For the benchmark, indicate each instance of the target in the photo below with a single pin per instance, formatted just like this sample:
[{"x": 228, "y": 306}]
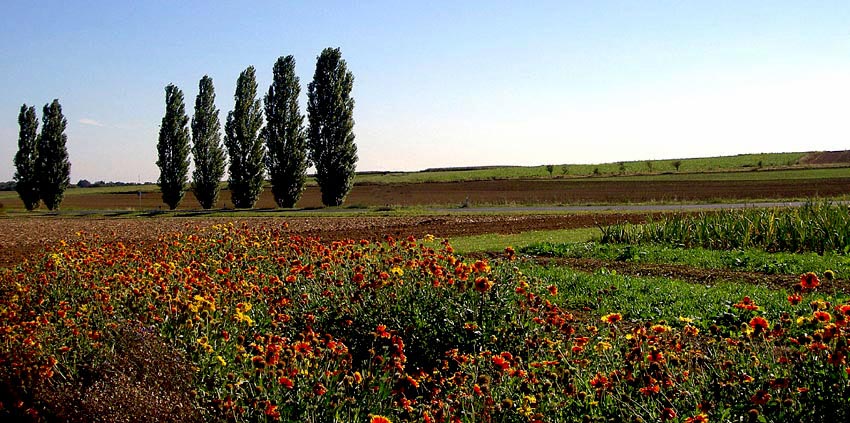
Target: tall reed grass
[{"x": 814, "y": 227}]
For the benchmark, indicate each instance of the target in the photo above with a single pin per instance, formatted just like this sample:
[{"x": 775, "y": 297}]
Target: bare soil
[
  {"x": 506, "y": 192},
  {"x": 22, "y": 237}
]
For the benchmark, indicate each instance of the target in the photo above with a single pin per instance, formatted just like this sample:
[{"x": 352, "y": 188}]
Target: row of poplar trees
[
  {"x": 42, "y": 168},
  {"x": 283, "y": 147}
]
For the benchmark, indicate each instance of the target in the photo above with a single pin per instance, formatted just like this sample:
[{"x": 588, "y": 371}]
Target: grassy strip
[
  {"x": 750, "y": 260},
  {"x": 656, "y": 299},
  {"x": 497, "y": 242}
]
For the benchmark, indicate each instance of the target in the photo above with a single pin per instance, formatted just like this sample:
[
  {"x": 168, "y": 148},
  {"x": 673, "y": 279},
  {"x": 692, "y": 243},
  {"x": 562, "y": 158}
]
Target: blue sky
[{"x": 447, "y": 83}]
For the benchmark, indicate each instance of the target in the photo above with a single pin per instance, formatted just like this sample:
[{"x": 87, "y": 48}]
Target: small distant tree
[
  {"x": 622, "y": 167},
  {"x": 676, "y": 164},
  {"x": 83, "y": 183},
  {"x": 565, "y": 169},
  {"x": 26, "y": 176},
  {"x": 206, "y": 146},
  {"x": 550, "y": 169},
  {"x": 173, "y": 148},
  {"x": 330, "y": 110},
  {"x": 52, "y": 165},
  {"x": 244, "y": 145},
  {"x": 649, "y": 165},
  {"x": 286, "y": 142}
]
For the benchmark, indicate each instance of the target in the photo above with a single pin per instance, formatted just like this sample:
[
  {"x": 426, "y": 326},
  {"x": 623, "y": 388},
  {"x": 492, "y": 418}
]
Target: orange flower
[
  {"x": 271, "y": 411},
  {"x": 759, "y": 324},
  {"x": 380, "y": 419},
  {"x": 668, "y": 414},
  {"x": 650, "y": 390},
  {"x": 599, "y": 381},
  {"x": 795, "y": 299},
  {"x": 699, "y": 418},
  {"x": 612, "y": 318},
  {"x": 655, "y": 356},
  {"x": 747, "y": 304},
  {"x": 822, "y": 316},
  {"x": 809, "y": 281},
  {"x": 483, "y": 284},
  {"x": 500, "y": 363}
]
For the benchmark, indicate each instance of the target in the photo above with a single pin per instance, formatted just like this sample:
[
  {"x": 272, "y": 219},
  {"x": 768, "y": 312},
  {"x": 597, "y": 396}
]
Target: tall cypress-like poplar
[
  {"x": 173, "y": 148},
  {"x": 26, "y": 177},
  {"x": 330, "y": 110},
  {"x": 244, "y": 145},
  {"x": 53, "y": 168},
  {"x": 286, "y": 143},
  {"x": 206, "y": 146}
]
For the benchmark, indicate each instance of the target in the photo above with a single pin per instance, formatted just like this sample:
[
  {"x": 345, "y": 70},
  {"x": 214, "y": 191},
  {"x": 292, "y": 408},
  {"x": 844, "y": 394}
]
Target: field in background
[{"x": 504, "y": 187}]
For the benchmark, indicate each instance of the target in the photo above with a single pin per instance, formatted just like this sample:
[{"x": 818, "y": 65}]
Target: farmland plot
[{"x": 255, "y": 323}]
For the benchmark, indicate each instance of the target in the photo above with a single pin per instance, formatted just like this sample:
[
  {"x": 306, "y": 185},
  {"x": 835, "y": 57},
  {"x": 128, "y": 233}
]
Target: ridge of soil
[{"x": 23, "y": 237}]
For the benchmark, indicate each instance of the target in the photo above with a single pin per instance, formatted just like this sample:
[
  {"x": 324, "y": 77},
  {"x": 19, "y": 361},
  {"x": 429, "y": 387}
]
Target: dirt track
[{"x": 22, "y": 237}]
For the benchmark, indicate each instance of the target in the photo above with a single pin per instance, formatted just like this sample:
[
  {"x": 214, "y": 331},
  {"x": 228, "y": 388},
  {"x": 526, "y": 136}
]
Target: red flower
[
  {"x": 668, "y": 414},
  {"x": 650, "y": 390},
  {"x": 655, "y": 356},
  {"x": 612, "y": 318},
  {"x": 500, "y": 363},
  {"x": 483, "y": 284},
  {"x": 286, "y": 382},
  {"x": 761, "y": 397},
  {"x": 271, "y": 411},
  {"x": 599, "y": 381},
  {"x": 795, "y": 299},
  {"x": 759, "y": 324},
  {"x": 699, "y": 418},
  {"x": 809, "y": 281},
  {"x": 380, "y": 419},
  {"x": 823, "y": 316},
  {"x": 747, "y": 304}
]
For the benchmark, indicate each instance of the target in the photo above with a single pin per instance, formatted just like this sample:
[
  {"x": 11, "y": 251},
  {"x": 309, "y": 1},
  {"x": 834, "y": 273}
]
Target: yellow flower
[
  {"x": 602, "y": 346},
  {"x": 685, "y": 319},
  {"x": 221, "y": 360},
  {"x": 397, "y": 271}
]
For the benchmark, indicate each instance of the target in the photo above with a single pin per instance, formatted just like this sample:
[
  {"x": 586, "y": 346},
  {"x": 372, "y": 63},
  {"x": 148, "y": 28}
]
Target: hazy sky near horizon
[{"x": 446, "y": 83}]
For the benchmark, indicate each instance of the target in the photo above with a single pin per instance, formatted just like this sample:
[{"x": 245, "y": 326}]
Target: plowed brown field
[
  {"x": 534, "y": 191},
  {"x": 26, "y": 236}
]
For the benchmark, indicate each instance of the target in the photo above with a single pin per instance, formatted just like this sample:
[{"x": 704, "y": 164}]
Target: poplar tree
[
  {"x": 286, "y": 143},
  {"x": 173, "y": 148},
  {"x": 53, "y": 169},
  {"x": 330, "y": 110},
  {"x": 206, "y": 146},
  {"x": 244, "y": 145},
  {"x": 26, "y": 177}
]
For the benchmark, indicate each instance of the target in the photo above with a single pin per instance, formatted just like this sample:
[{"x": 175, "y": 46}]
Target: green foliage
[
  {"x": 26, "y": 176},
  {"x": 244, "y": 145},
  {"x": 206, "y": 146},
  {"x": 816, "y": 226},
  {"x": 52, "y": 165},
  {"x": 286, "y": 143},
  {"x": 749, "y": 260},
  {"x": 173, "y": 148},
  {"x": 330, "y": 110}
]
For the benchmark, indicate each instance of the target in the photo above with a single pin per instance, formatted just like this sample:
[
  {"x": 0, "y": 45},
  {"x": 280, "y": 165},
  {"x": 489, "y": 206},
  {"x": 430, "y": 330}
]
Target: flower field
[{"x": 238, "y": 323}]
